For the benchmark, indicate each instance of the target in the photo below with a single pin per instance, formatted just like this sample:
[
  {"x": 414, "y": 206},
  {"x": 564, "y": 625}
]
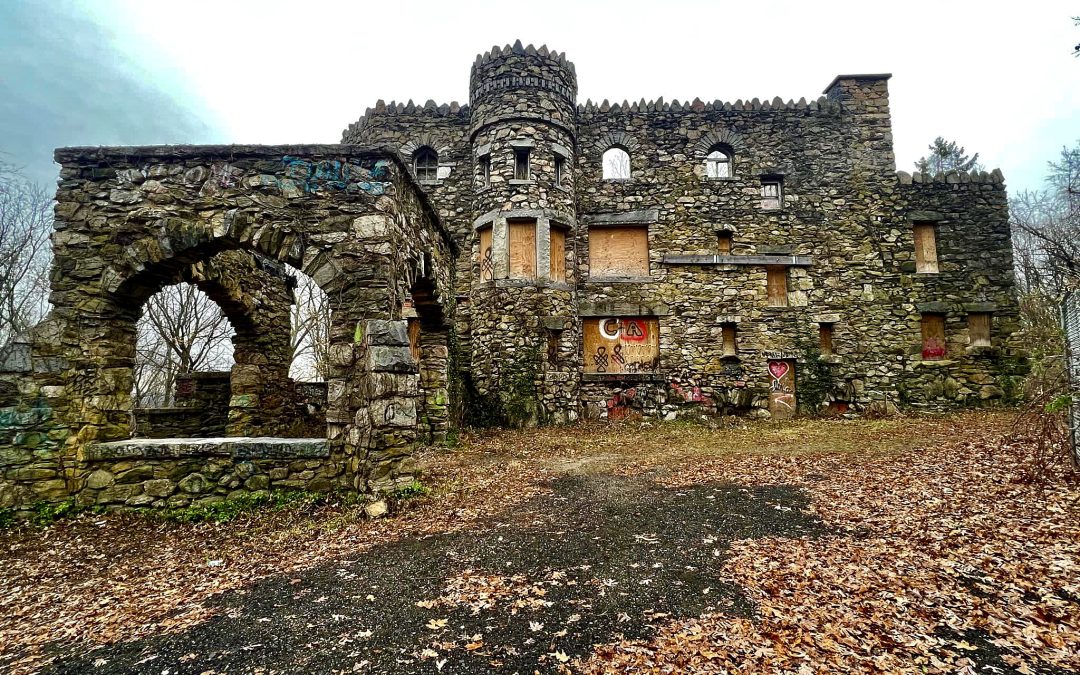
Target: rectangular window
[
  {"x": 926, "y": 259},
  {"x": 621, "y": 345},
  {"x": 559, "y": 167},
  {"x": 485, "y": 257},
  {"x": 618, "y": 252},
  {"x": 723, "y": 243},
  {"x": 485, "y": 171},
  {"x": 553, "y": 347},
  {"x": 772, "y": 193},
  {"x": 825, "y": 337},
  {"x": 522, "y": 249},
  {"x": 979, "y": 329},
  {"x": 933, "y": 337},
  {"x": 777, "y": 283},
  {"x": 521, "y": 163},
  {"x": 729, "y": 335},
  {"x": 557, "y": 272}
]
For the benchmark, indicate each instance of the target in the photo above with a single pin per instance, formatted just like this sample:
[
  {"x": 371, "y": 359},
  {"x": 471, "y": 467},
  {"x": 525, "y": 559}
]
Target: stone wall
[{"x": 844, "y": 234}]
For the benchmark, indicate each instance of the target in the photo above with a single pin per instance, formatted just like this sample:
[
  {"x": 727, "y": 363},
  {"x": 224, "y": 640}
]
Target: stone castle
[{"x": 520, "y": 259}]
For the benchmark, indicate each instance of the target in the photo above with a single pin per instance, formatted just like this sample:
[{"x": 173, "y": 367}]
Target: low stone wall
[{"x": 175, "y": 473}]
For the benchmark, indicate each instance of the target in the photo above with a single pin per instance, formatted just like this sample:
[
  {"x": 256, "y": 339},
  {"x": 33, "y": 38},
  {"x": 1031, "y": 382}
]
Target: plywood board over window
[
  {"x": 621, "y": 345},
  {"x": 618, "y": 252},
  {"x": 933, "y": 337},
  {"x": 777, "y": 282},
  {"x": 522, "y": 249},
  {"x": 926, "y": 258},
  {"x": 979, "y": 329},
  {"x": 486, "y": 256},
  {"x": 558, "y": 254}
]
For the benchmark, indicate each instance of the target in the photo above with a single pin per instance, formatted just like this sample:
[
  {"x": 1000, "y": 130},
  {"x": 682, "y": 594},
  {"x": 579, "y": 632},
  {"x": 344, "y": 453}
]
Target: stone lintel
[
  {"x": 522, "y": 143},
  {"x": 786, "y": 260},
  {"x": 560, "y": 150},
  {"x": 238, "y": 447},
  {"x": 555, "y": 322},
  {"x": 924, "y": 216},
  {"x": 981, "y": 307},
  {"x": 933, "y": 307},
  {"x": 600, "y": 309},
  {"x": 623, "y": 377},
  {"x": 643, "y": 217},
  {"x": 561, "y": 217},
  {"x": 827, "y": 318},
  {"x": 483, "y": 149}
]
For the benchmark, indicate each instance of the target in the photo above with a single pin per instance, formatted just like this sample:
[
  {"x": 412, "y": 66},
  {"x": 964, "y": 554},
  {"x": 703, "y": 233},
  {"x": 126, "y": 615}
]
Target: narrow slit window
[
  {"x": 772, "y": 193},
  {"x": 926, "y": 254},
  {"x": 560, "y": 167},
  {"x": 777, "y": 283},
  {"x": 485, "y": 171},
  {"x": 723, "y": 243},
  {"x": 557, "y": 271},
  {"x": 933, "y": 337},
  {"x": 521, "y": 163},
  {"x": 825, "y": 338},
  {"x": 522, "y": 234},
  {"x": 729, "y": 333},
  {"x": 486, "y": 257},
  {"x": 718, "y": 164},
  {"x": 979, "y": 329}
]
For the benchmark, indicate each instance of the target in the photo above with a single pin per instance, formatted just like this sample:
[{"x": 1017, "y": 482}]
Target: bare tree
[
  {"x": 1048, "y": 227},
  {"x": 181, "y": 331},
  {"x": 310, "y": 330},
  {"x": 25, "y": 225}
]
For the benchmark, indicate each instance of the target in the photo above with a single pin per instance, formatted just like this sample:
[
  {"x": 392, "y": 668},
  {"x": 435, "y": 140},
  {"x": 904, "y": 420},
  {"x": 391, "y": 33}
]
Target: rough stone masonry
[{"x": 521, "y": 259}]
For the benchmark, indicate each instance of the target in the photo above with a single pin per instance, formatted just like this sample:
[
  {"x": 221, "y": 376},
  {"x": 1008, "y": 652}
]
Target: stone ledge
[
  {"x": 617, "y": 309},
  {"x": 786, "y": 260},
  {"x": 643, "y": 217},
  {"x": 238, "y": 447},
  {"x": 623, "y": 377}
]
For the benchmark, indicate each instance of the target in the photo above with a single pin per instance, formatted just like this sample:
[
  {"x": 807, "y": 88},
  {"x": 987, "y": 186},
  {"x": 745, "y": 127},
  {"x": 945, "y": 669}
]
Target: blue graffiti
[{"x": 331, "y": 174}]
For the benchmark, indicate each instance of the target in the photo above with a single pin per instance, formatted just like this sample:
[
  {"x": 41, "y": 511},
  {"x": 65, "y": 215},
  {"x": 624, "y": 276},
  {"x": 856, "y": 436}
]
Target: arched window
[
  {"x": 426, "y": 165},
  {"x": 718, "y": 164},
  {"x": 616, "y": 164}
]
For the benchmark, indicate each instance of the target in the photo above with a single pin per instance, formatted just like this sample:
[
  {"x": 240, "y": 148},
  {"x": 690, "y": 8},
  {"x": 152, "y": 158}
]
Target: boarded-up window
[
  {"x": 618, "y": 252},
  {"x": 558, "y": 254},
  {"x": 730, "y": 337},
  {"x": 979, "y": 329},
  {"x": 777, "y": 281},
  {"x": 522, "y": 249},
  {"x": 933, "y": 337},
  {"x": 723, "y": 243},
  {"x": 486, "y": 256},
  {"x": 621, "y": 345},
  {"x": 926, "y": 260},
  {"x": 521, "y": 163},
  {"x": 825, "y": 337}
]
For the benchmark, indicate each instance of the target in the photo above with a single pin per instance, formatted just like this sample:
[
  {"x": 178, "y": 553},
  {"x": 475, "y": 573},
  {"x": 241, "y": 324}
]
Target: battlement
[
  {"x": 994, "y": 177},
  {"x": 429, "y": 109},
  {"x": 516, "y": 68},
  {"x": 821, "y": 104},
  {"x": 517, "y": 49}
]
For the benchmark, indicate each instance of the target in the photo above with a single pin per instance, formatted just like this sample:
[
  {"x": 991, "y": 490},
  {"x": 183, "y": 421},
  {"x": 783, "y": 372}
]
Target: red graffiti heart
[{"x": 778, "y": 369}]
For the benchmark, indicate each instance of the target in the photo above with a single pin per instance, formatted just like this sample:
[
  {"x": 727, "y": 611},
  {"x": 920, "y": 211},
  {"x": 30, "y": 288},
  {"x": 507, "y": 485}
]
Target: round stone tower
[{"x": 524, "y": 330}]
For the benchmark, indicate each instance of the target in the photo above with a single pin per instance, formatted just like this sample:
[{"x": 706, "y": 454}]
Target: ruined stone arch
[
  {"x": 725, "y": 139},
  {"x": 618, "y": 139}
]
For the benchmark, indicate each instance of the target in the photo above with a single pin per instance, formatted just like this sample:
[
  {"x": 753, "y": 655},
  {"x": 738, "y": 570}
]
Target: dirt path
[{"x": 600, "y": 557}]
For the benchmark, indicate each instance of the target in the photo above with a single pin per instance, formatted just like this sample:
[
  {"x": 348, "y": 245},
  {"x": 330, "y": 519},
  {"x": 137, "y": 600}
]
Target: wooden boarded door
[{"x": 782, "y": 404}]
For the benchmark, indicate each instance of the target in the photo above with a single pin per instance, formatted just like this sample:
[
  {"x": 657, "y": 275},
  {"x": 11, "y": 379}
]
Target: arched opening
[
  {"x": 616, "y": 163},
  {"x": 719, "y": 162},
  {"x": 426, "y": 164},
  {"x": 310, "y": 320},
  {"x": 183, "y": 364}
]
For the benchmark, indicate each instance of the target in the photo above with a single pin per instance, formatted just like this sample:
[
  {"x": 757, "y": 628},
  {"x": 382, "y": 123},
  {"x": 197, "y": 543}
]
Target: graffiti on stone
[{"x": 311, "y": 176}]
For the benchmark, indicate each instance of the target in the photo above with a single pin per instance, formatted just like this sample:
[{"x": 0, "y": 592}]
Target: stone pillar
[{"x": 388, "y": 398}]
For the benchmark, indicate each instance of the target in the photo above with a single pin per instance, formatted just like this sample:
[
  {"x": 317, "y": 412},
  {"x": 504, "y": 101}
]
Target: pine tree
[{"x": 947, "y": 156}]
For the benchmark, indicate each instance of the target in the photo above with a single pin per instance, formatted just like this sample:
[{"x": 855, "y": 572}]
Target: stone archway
[{"x": 350, "y": 218}]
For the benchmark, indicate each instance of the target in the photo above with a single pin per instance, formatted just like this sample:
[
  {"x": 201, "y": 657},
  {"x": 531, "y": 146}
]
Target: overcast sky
[{"x": 999, "y": 79}]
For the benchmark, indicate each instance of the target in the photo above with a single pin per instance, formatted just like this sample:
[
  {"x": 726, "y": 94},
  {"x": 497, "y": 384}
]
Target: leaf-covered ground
[{"x": 899, "y": 545}]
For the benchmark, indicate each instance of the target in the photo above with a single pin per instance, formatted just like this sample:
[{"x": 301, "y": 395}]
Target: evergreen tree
[{"x": 947, "y": 156}]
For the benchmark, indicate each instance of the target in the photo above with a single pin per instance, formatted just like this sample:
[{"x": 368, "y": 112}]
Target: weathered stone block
[
  {"x": 100, "y": 479},
  {"x": 388, "y": 333}
]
